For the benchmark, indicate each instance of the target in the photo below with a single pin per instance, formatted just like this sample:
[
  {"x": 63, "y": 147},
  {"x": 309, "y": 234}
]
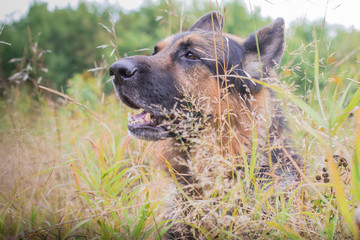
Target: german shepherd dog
[{"x": 225, "y": 74}]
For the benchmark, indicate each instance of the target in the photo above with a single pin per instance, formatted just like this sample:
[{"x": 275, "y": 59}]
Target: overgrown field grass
[
  {"x": 68, "y": 172},
  {"x": 71, "y": 171}
]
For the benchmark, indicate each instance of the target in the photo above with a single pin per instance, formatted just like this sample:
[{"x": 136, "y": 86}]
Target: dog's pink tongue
[
  {"x": 139, "y": 116},
  {"x": 143, "y": 117}
]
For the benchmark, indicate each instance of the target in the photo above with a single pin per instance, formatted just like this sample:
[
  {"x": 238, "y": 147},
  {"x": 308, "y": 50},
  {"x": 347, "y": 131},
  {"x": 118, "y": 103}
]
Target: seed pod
[
  {"x": 318, "y": 178},
  {"x": 326, "y": 180},
  {"x": 345, "y": 164},
  {"x": 325, "y": 175},
  {"x": 324, "y": 169}
]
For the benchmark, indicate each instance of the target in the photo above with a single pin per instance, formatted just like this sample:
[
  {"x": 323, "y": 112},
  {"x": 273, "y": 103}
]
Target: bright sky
[{"x": 345, "y": 12}]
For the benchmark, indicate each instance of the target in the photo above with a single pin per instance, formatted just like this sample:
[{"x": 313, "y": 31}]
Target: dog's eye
[{"x": 191, "y": 56}]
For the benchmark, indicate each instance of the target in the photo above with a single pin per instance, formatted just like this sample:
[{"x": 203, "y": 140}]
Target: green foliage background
[{"x": 72, "y": 36}]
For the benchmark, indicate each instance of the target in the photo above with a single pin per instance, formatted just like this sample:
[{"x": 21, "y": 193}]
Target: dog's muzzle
[{"x": 149, "y": 124}]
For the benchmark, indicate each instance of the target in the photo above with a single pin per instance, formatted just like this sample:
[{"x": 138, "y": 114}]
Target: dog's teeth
[{"x": 147, "y": 117}]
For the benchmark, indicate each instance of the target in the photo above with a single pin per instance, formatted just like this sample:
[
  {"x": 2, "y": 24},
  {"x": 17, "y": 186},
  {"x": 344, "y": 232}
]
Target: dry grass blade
[{"x": 96, "y": 116}]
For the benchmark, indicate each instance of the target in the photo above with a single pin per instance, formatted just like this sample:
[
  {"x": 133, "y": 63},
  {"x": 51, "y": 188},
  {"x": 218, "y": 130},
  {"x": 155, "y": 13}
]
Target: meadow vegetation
[{"x": 70, "y": 170}]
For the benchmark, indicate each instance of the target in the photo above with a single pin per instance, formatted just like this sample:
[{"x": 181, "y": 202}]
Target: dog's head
[{"x": 195, "y": 61}]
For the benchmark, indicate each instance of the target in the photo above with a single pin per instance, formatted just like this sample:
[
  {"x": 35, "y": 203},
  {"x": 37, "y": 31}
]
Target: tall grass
[{"x": 71, "y": 171}]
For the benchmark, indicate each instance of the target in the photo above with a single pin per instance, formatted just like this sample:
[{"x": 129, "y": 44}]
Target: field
[{"x": 71, "y": 171}]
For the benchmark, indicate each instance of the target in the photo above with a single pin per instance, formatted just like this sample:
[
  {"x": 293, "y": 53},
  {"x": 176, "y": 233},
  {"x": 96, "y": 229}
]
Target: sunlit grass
[{"x": 70, "y": 170}]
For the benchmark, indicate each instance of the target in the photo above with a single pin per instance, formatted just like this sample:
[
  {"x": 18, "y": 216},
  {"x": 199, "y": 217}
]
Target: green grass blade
[
  {"x": 143, "y": 215},
  {"x": 113, "y": 169},
  {"x": 356, "y": 162},
  {"x": 339, "y": 106},
  {"x": 316, "y": 77},
  {"x": 290, "y": 234},
  {"x": 80, "y": 224},
  {"x": 53, "y": 168},
  {"x": 353, "y": 103}
]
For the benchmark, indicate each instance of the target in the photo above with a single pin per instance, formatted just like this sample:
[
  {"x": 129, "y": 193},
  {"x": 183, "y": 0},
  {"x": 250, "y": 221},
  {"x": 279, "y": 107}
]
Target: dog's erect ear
[
  {"x": 205, "y": 23},
  {"x": 271, "y": 40}
]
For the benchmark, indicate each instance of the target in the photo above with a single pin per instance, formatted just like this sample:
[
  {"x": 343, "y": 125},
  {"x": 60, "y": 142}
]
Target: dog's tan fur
[
  {"x": 234, "y": 113},
  {"x": 244, "y": 118}
]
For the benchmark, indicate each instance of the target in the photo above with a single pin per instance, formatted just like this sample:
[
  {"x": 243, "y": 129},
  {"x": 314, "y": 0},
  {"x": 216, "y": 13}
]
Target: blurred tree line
[{"x": 65, "y": 42}]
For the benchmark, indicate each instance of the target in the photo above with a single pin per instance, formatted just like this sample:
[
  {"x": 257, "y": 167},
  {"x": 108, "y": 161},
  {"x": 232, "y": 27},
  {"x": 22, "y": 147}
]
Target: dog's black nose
[{"x": 123, "y": 69}]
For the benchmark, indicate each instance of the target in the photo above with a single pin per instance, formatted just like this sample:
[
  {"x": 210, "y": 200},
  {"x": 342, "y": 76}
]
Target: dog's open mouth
[{"x": 146, "y": 125}]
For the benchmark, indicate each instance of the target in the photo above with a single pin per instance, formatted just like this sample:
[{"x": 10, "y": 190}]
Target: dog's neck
[{"x": 231, "y": 138}]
